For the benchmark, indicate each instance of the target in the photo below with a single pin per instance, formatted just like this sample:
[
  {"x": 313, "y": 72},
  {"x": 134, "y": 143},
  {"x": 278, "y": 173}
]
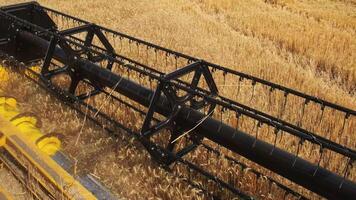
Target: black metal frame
[
  {"x": 91, "y": 30},
  {"x": 176, "y": 103}
]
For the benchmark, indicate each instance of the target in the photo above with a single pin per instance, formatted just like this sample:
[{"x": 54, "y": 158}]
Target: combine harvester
[{"x": 174, "y": 105}]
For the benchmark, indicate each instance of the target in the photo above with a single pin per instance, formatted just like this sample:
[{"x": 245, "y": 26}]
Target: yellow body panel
[
  {"x": 24, "y": 141},
  {"x": 4, "y": 75},
  {"x": 48, "y": 172},
  {"x": 26, "y": 124}
]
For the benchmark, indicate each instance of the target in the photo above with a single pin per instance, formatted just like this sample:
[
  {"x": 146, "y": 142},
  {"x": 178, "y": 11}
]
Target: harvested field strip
[
  {"x": 336, "y": 13},
  {"x": 330, "y": 49}
]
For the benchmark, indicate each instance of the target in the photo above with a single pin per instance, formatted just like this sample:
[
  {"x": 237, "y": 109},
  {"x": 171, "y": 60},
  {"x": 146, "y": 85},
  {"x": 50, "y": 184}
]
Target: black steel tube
[{"x": 304, "y": 173}]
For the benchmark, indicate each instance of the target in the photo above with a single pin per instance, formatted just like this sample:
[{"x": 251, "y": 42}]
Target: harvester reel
[{"x": 193, "y": 110}]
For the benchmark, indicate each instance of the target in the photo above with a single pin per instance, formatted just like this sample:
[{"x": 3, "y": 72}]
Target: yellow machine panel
[{"x": 24, "y": 146}]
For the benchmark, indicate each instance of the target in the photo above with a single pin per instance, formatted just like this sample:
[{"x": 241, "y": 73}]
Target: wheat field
[{"x": 309, "y": 46}]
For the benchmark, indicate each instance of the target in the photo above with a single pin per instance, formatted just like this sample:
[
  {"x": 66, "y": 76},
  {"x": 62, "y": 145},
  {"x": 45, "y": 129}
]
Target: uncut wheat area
[{"x": 309, "y": 46}]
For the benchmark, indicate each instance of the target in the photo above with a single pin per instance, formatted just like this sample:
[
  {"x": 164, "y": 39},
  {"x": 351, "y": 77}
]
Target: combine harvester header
[{"x": 174, "y": 104}]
